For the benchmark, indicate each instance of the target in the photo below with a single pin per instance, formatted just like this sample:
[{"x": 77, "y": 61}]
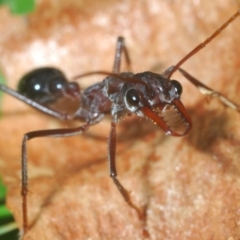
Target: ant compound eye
[
  {"x": 177, "y": 87},
  {"x": 132, "y": 97}
]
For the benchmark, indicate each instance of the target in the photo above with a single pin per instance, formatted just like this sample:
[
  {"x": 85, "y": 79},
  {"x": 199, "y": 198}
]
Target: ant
[{"x": 146, "y": 94}]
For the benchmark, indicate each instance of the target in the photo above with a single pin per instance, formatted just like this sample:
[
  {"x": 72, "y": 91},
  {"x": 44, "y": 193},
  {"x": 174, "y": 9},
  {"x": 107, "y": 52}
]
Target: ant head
[
  {"x": 154, "y": 97},
  {"x": 154, "y": 91},
  {"x": 161, "y": 104}
]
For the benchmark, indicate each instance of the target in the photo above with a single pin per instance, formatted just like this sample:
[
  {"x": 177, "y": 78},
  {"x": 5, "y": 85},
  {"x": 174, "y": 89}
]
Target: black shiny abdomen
[{"x": 43, "y": 85}]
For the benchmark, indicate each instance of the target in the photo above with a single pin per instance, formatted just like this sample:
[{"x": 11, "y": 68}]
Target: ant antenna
[{"x": 202, "y": 45}]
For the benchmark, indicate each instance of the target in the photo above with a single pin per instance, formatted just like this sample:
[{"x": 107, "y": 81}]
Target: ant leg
[
  {"x": 113, "y": 171},
  {"x": 35, "y": 104},
  {"x": 118, "y": 54},
  {"x": 209, "y": 92},
  {"x": 37, "y": 134}
]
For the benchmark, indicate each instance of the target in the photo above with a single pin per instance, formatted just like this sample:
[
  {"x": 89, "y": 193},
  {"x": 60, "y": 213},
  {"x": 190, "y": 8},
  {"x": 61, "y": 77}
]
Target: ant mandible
[{"x": 147, "y": 94}]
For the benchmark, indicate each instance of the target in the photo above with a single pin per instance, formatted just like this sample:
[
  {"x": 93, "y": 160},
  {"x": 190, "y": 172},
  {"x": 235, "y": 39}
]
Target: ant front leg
[
  {"x": 112, "y": 169},
  {"x": 208, "y": 91},
  {"x": 37, "y": 134},
  {"x": 118, "y": 55},
  {"x": 112, "y": 142}
]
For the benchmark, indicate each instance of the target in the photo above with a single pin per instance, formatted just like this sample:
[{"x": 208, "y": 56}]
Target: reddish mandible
[{"x": 147, "y": 94}]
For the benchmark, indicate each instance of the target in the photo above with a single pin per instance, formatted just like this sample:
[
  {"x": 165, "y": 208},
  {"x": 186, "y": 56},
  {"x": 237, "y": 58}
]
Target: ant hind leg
[{"x": 37, "y": 134}]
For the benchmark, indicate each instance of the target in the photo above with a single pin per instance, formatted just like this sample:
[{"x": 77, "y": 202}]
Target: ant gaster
[{"x": 145, "y": 94}]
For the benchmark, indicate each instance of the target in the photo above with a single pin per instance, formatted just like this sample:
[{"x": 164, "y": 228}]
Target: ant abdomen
[{"x": 46, "y": 85}]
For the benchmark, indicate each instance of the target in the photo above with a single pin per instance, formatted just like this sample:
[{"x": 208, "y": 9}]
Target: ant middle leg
[
  {"x": 209, "y": 92},
  {"x": 121, "y": 48}
]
